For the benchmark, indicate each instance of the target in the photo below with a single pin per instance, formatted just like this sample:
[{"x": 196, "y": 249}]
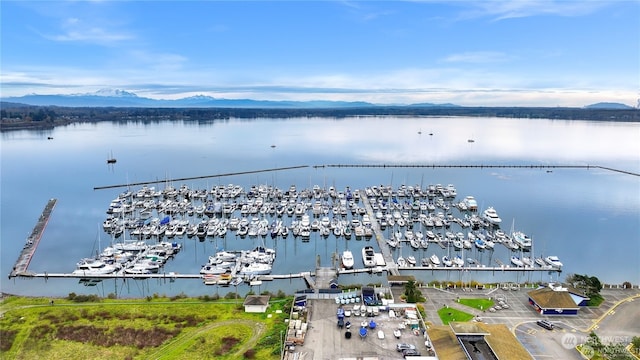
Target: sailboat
[{"x": 111, "y": 159}]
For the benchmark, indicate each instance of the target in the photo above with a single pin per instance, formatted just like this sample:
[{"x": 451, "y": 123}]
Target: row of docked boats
[
  {"x": 148, "y": 213},
  {"x": 249, "y": 263},
  {"x": 130, "y": 257},
  {"x": 549, "y": 262}
]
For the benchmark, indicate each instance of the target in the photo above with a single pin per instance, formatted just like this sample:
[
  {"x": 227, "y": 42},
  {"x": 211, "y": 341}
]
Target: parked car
[
  {"x": 410, "y": 352},
  {"x": 403, "y": 346},
  {"x": 545, "y": 324}
]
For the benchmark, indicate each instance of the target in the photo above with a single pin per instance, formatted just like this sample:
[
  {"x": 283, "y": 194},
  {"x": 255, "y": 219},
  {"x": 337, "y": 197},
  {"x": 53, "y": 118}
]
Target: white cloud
[
  {"x": 508, "y": 9},
  {"x": 478, "y": 57}
]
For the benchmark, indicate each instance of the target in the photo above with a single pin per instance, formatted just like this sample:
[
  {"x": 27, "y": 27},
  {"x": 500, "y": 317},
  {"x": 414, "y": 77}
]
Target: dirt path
[{"x": 258, "y": 329}]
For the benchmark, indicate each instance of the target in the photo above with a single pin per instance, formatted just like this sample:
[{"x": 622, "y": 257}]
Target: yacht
[
  {"x": 368, "y": 256},
  {"x": 256, "y": 268},
  {"x": 471, "y": 203},
  {"x": 435, "y": 260},
  {"x": 411, "y": 260},
  {"x": 553, "y": 261},
  {"x": 491, "y": 216},
  {"x": 94, "y": 266},
  {"x": 521, "y": 239},
  {"x": 347, "y": 259},
  {"x": 144, "y": 267}
]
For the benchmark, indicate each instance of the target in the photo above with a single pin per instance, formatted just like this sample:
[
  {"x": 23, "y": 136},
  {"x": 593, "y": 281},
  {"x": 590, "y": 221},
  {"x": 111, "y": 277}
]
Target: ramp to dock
[{"x": 30, "y": 246}]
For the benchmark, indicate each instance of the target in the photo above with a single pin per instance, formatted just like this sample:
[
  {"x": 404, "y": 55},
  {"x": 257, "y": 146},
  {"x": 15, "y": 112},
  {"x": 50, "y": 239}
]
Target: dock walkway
[
  {"x": 392, "y": 267},
  {"x": 30, "y": 246}
]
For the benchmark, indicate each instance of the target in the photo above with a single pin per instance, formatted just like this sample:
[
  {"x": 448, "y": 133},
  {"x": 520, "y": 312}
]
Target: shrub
[
  {"x": 6, "y": 339},
  {"x": 249, "y": 354}
]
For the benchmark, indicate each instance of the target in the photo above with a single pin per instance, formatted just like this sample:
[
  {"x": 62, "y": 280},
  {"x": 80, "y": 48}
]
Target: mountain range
[{"x": 123, "y": 98}]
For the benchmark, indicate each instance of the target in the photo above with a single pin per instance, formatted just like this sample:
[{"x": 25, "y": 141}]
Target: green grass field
[
  {"x": 448, "y": 315},
  {"x": 477, "y": 303},
  {"x": 158, "y": 328}
]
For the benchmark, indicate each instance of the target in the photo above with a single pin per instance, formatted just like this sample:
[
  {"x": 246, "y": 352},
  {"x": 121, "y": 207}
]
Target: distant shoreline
[{"x": 29, "y": 117}]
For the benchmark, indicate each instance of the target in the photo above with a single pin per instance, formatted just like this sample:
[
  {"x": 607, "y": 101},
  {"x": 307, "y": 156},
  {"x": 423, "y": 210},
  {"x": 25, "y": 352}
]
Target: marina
[
  {"x": 145, "y": 225},
  {"x": 559, "y": 219}
]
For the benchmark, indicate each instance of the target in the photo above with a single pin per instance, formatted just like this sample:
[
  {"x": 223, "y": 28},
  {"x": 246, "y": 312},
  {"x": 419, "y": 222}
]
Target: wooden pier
[{"x": 30, "y": 246}]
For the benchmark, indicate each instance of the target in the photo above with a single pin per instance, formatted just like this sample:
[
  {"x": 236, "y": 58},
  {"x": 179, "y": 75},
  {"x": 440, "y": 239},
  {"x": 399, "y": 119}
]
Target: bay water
[{"x": 589, "y": 217}]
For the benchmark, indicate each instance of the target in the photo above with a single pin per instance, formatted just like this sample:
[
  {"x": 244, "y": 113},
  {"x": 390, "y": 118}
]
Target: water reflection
[{"x": 564, "y": 210}]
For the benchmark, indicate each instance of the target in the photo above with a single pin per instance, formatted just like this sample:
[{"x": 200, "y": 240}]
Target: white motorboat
[
  {"x": 401, "y": 262},
  {"x": 516, "y": 261},
  {"x": 471, "y": 203},
  {"x": 553, "y": 261},
  {"x": 489, "y": 243},
  {"x": 143, "y": 267},
  {"x": 491, "y": 216},
  {"x": 213, "y": 270},
  {"x": 458, "y": 261},
  {"x": 347, "y": 259},
  {"x": 236, "y": 281},
  {"x": 446, "y": 261},
  {"x": 256, "y": 268},
  {"x": 221, "y": 256},
  {"x": 527, "y": 261},
  {"x": 94, "y": 267},
  {"x": 368, "y": 256},
  {"x": 435, "y": 260},
  {"x": 411, "y": 260},
  {"x": 521, "y": 239}
]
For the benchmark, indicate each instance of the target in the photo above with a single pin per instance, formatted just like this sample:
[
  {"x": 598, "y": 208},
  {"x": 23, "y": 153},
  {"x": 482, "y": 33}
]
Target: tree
[
  {"x": 412, "y": 292},
  {"x": 635, "y": 344},
  {"x": 591, "y": 285},
  {"x": 594, "y": 342},
  {"x": 616, "y": 352}
]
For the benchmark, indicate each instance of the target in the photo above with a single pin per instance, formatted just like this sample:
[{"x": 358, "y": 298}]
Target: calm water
[{"x": 589, "y": 218}]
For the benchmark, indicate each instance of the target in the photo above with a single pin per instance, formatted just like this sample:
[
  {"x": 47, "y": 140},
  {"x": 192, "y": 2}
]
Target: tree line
[{"x": 14, "y": 115}]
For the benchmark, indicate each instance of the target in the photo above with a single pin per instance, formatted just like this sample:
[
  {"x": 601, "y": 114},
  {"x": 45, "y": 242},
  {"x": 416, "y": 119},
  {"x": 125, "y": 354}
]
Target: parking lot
[
  {"x": 541, "y": 343},
  {"x": 326, "y": 340}
]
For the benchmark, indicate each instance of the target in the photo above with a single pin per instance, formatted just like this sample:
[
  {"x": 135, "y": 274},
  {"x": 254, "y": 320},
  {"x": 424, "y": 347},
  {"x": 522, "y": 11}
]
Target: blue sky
[{"x": 486, "y": 53}]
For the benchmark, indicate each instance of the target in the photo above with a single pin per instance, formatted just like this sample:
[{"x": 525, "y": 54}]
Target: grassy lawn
[
  {"x": 477, "y": 303},
  {"x": 449, "y": 314},
  {"x": 159, "y": 328},
  {"x": 595, "y": 300}
]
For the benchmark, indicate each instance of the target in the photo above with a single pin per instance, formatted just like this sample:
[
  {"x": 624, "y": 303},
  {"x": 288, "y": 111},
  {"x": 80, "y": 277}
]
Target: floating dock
[
  {"x": 30, "y": 246},
  {"x": 391, "y": 266}
]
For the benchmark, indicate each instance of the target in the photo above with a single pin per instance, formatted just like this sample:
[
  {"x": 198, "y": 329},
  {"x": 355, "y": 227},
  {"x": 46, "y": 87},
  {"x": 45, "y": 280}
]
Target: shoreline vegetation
[
  {"x": 158, "y": 327},
  {"x": 30, "y": 117}
]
